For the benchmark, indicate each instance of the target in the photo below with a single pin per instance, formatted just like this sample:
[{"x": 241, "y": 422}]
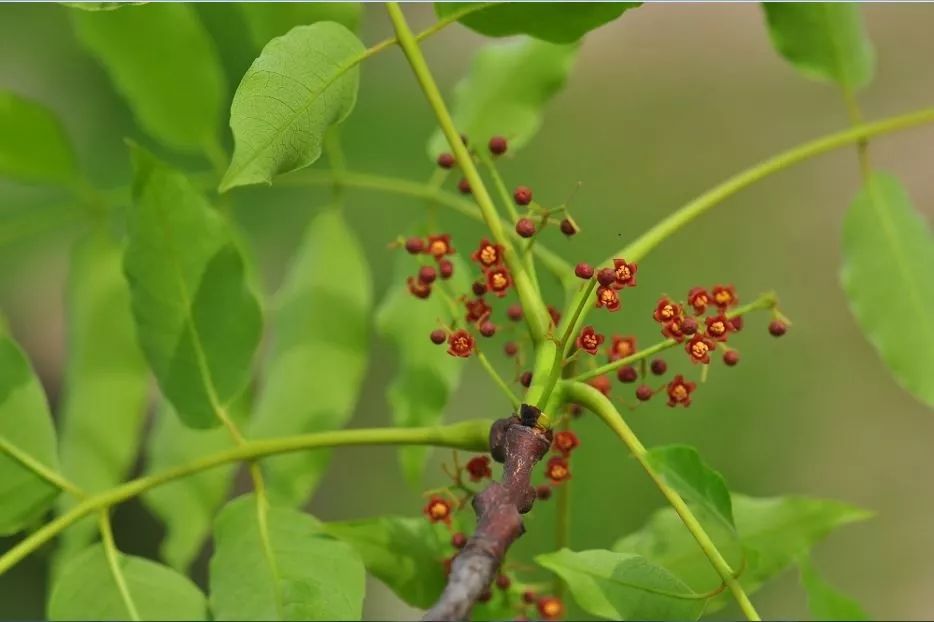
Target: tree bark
[{"x": 519, "y": 444}]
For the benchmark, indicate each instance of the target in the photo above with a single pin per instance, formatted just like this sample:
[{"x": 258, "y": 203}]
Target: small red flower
[
  {"x": 488, "y": 254},
  {"x": 589, "y": 340},
  {"x": 460, "y": 343},
  {"x": 718, "y": 327},
  {"x": 625, "y": 273},
  {"x": 607, "y": 297},
  {"x": 479, "y": 468},
  {"x": 418, "y": 288},
  {"x": 724, "y": 296},
  {"x": 439, "y": 245},
  {"x": 679, "y": 391},
  {"x": 674, "y": 329},
  {"x": 698, "y": 298},
  {"x": 477, "y": 310},
  {"x": 737, "y": 323},
  {"x": 555, "y": 315},
  {"x": 438, "y": 510},
  {"x": 666, "y": 311},
  {"x": 498, "y": 281},
  {"x": 557, "y": 469},
  {"x": 601, "y": 384},
  {"x": 699, "y": 348},
  {"x": 550, "y": 607},
  {"x": 565, "y": 442},
  {"x": 621, "y": 347}
]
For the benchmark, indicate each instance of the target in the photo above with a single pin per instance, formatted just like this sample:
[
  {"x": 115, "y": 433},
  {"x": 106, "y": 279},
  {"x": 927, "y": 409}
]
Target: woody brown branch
[{"x": 519, "y": 444}]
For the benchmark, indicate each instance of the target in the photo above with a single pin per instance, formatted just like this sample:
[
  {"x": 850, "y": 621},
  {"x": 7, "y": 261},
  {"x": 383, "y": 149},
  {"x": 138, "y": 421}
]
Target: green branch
[
  {"x": 533, "y": 308},
  {"x": 40, "y": 469},
  {"x": 472, "y": 435},
  {"x": 597, "y": 403},
  {"x": 113, "y": 562},
  {"x": 644, "y": 244}
]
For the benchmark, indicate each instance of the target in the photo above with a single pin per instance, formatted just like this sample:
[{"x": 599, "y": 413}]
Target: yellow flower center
[
  {"x": 623, "y": 273},
  {"x": 679, "y": 392},
  {"x": 499, "y": 281},
  {"x": 699, "y": 349},
  {"x": 488, "y": 255},
  {"x": 438, "y": 248},
  {"x": 438, "y": 510},
  {"x": 723, "y": 297}
]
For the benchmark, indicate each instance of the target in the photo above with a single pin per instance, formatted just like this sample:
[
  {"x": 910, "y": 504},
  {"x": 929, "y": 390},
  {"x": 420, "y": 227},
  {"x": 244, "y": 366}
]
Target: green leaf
[
  {"x": 87, "y": 590},
  {"x": 26, "y": 424},
  {"x": 303, "y": 83},
  {"x": 303, "y": 574},
  {"x": 682, "y": 468},
  {"x": 198, "y": 321},
  {"x": 824, "y": 600},
  {"x": 774, "y": 533},
  {"x": 506, "y": 90},
  {"x": 267, "y": 20},
  {"x": 825, "y": 41},
  {"x": 557, "y": 23},
  {"x": 33, "y": 144},
  {"x": 161, "y": 59},
  {"x": 321, "y": 343},
  {"x": 106, "y": 380},
  {"x": 888, "y": 260},
  {"x": 619, "y": 586},
  {"x": 187, "y": 506},
  {"x": 426, "y": 375},
  {"x": 404, "y": 553}
]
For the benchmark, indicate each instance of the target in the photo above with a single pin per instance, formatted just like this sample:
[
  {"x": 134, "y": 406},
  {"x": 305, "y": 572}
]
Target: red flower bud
[
  {"x": 601, "y": 384},
  {"x": 487, "y": 329},
  {"x": 498, "y": 145},
  {"x": 463, "y": 186},
  {"x": 458, "y": 540},
  {"x": 446, "y": 268},
  {"x": 730, "y": 358},
  {"x": 511, "y": 348},
  {"x": 438, "y": 337},
  {"x": 418, "y": 288},
  {"x": 427, "y": 274},
  {"x": 525, "y": 227},
  {"x": 644, "y": 393},
  {"x": 414, "y": 245},
  {"x": 583, "y": 271},
  {"x": 627, "y": 374},
  {"x": 522, "y": 195},
  {"x": 659, "y": 367},
  {"x": 446, "y": 160},
  {"x": 514, "y": 312},
  {"x": 479, "y": 468},
  {"x": 543, "y": 492},
  {"x": 777, "y": 328},
  {"x": 568, "y": 227},
  {"x": 606, "y": 277}
]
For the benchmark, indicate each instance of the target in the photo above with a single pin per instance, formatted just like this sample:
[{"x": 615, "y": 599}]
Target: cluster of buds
[
  {"x": 547, "y": 607},
  {"x": 439, "y": 248},
  {"x": 609, "y": 281}
]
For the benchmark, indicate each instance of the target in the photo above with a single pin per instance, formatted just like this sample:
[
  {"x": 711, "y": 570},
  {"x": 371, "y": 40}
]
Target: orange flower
[{"x": 679, "y": 391}]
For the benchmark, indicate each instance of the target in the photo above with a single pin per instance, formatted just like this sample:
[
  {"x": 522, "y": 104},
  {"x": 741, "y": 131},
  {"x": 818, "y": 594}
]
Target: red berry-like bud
[
  {"x": 568, "y": 227},
  {"x": 446, "y": 268},
  {"x": 554, "y": 314},
  {"x": 659, "y": 367},
  {"x": 606, "y": 277},
  {"x": 644, "y": 393},
  {"x": 498, "y": 145},
  {"x": 522, "y": 195},
  {"x": 731, "y": 358},
  {"x": 418, "y": 288},
  {"x": 485, "y": 596},
  {"x": 458, "y": 540},
  {"x": 777, "y": 328},
  {"x": 503, "y": 582},
  {"x": 514, "y": 312},
  {"x": 464, "y": 186},
  {"x": 488, "y": 329},
  {"x": 526, "y": 379},
  {"x": 479, "y": 468},
  {"x": 427, "y": 274},
  {"x": 688, "y": 326},
  {"x": 543, "y": 492},
  {"x": 446, "y": 160},
  {"x": 438, "y": 337},
  {"x": 528, "y": 597},
  {"x": 414, "y": 245},
  {"x": 627, "y": 374},
  {"x": 737, "y": 323},
  {"x": 550, "y": 607},
  {"x": 583, "y": 270},
  {"x": 525, "y": 227},
  {"x": 511, "y": 348},
  {"x": 479, "y": 288},
  {"x": 601, "y": 384}
]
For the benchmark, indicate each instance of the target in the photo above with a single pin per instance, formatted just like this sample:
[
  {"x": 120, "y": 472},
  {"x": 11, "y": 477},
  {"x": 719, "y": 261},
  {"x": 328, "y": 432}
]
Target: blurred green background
[{"x": 662, "y": 104}]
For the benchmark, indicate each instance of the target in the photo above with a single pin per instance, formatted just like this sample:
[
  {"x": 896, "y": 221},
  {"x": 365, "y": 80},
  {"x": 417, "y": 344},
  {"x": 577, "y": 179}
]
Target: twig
[{"x": 519, "y": 444}]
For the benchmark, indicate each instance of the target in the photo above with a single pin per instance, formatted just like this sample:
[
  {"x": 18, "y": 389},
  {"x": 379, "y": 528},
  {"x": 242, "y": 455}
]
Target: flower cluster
[{"x": 700, "y": 340}]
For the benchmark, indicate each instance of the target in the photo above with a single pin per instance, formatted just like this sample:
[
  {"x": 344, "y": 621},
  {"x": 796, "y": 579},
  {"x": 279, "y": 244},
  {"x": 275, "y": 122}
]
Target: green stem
[
  {"x": 40, "y": 469},
  {"x": 856, "y": 119},
  {"x": 499, "y": 184},
  {"x": 113, "y": 561},
  {"x": 468, "y": 435},
  {"x": 765, "y": 301},
  {"x": 596, "y": 402},
  {"x": 644, "y": 244},
  {"x": 534, "y": 309},
  {"x": 497, "y": 379},
  {"x": 561, "y": 269}
]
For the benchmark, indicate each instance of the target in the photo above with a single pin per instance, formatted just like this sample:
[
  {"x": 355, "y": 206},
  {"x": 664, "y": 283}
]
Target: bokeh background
[{"x": 662, "y": 104}]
